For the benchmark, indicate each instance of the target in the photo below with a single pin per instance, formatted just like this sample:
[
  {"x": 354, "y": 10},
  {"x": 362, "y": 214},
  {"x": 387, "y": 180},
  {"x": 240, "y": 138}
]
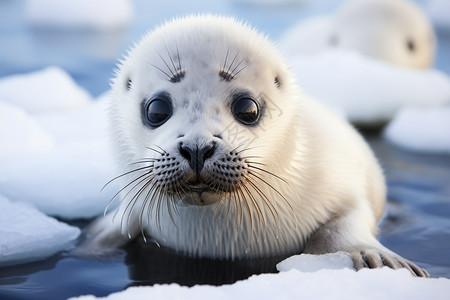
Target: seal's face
[{"x": 194, "y": 111}]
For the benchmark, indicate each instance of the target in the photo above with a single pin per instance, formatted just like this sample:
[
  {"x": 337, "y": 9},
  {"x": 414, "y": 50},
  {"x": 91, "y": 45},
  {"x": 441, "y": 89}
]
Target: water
[{"x": 417, "y": 224}]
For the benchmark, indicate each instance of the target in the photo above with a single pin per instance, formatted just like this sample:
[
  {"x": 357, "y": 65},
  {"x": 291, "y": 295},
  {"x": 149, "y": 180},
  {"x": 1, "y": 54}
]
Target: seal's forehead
[{"x": 203, "y": 42}]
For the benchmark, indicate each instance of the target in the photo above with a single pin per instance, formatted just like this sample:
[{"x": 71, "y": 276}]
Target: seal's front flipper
[
  {"x": 347, "y": 233},
  {"x": 102, "y": 239},
  {"x": 380, "y": 257}
]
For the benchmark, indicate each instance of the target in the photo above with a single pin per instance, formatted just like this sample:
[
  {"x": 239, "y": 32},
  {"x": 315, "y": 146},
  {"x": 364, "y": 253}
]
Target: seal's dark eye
[
  {"x": 246, "y": 110},
  {"x": 411, "y": 45},
  {"x": 157, "y": 110}
]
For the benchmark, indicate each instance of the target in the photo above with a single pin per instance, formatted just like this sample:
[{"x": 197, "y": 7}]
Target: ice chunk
[
  {"x": 26, "y": 234},
  {"x": 86, "y": 124},
  {"x": 313, "y": 263},
  {"x": 346, "y": 284},
  {"x": 420, "y": 129},
  {"x": 64, "y": 182},
  {"x": 79, "y": 14},
  {"x": 45, "y": 91},
  {"x": 20, "y": 133},
  {"x": 367, "y": 90}
]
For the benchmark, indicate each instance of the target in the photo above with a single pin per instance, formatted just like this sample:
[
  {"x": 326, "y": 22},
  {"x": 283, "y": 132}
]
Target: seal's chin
[{"x": 200, "y": 195}]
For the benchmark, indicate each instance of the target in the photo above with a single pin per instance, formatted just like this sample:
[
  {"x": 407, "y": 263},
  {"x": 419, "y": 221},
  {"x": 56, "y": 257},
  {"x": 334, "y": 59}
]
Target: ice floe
[
  {"x": 26, "y": 234},
  {"x": 45, "y": 91},
  {"x": 318, "y": 282},
  {"x": 368, "y": 91},
  {"x": 421, "y": 129},
  {"x": 56, "y": 155}
]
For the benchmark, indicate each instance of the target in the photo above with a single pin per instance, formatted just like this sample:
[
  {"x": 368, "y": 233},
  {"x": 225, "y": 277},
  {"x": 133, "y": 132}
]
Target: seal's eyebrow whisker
[
  {"x": 227, "y": 71},
  {"x": 174, "y": 74}
]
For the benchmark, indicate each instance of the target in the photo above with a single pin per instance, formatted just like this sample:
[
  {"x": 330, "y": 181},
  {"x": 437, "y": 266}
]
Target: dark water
[{"x": 417, "y": 224}]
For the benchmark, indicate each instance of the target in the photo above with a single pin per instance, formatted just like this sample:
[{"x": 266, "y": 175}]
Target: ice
[
  {"x": 85, "y": 124},
  {"x": 422, "y": 130},
  {"x": 368, "y": 91},
  {"x": 56, "y": 159},
  {"x": 439, "y": 12},
  {"x": 48, "y": 90},
  {"x": 313, "y": 263},
  {"x": 79, "y": 14},
  {"x": 20, "y": 133},
  {"x": 64, "y": 182},
  {"x": 327, "y": 284},
  {"x": 26, "y": 234}
]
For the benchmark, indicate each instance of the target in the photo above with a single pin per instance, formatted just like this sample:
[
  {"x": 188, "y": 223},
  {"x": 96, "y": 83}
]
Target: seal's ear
[
  {"x": 129, "y": 84},
  {"x": 277, "y": 81}
]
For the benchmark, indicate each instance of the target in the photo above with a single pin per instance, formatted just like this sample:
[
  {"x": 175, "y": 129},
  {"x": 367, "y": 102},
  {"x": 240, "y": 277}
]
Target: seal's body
[
  {"x": 223, "y": 157},
  {"x": 397, "y": 32}
]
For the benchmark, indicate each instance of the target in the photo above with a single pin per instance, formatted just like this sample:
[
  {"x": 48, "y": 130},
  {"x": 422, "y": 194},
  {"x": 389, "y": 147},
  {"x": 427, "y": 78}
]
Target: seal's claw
[{"x": 376, "y": 258}]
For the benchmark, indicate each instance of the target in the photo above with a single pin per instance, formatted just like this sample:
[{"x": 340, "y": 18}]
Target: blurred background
[{"x": 85, "y": 38}]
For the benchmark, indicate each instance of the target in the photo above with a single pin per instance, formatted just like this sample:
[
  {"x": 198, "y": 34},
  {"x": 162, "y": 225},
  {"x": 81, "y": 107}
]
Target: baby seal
[
  {"x": 223, "y": 157},
  {"x": 397, "y": 32}
]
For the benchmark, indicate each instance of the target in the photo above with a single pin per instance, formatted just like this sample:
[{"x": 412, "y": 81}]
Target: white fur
[
  {"x": 377, "y": 28},
  {"x": 332, "y": 177}
]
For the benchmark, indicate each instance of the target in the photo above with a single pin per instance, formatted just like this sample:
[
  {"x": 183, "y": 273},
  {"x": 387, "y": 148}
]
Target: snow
[
  {"x": 27, "y": 234},
  {"x": 20, "y": 133},
  {"x": 47, "y": 90},
  {"x": 64, "y": 182},
  {"x": 314, "y": 263},
  {"x": 422, "y": 130},
  {"x": 439, "y": 12},
  {"x": 100, "y": 15},
  {"x": 367, "y": 91},
  {"x": 317, "y": 282},
  {"x": 56, "y": 155}
]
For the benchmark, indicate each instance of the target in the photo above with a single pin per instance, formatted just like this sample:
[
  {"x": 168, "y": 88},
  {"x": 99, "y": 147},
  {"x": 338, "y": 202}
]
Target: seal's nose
[{"x": 197, "y": 156}]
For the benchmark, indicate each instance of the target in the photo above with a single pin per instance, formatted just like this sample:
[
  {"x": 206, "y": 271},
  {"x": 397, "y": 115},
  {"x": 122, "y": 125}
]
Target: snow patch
[
  {"x": 45, "y": 91},
  {"x": 366, "y": 90},
  {"x": 20, "y": 133},
  {"x": 346, "y": 284},
  {"x": 421, "y": 129},
  {"x": 28, "y": 235}
]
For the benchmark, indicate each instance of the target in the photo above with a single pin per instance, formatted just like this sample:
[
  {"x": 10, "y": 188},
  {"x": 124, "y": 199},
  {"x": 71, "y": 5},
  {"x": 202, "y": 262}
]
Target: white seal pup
[
  {"x": 396, "y": 31},
  {"x": 223, "y": 157}
]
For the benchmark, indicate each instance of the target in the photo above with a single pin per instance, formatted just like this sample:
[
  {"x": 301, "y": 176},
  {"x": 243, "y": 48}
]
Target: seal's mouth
[
  {"x": 199, "y": 188},
  {"x": 200, "y": 195}
]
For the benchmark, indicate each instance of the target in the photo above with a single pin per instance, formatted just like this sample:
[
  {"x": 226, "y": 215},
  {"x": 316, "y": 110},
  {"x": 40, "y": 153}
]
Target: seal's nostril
[
  {"x": 185, "y": 151},
  {"x": 198, "y": 156},
  {"x": 208, "y": 151}
]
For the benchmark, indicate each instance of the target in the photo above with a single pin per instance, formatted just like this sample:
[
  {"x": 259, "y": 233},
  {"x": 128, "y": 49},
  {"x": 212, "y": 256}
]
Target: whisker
[
  {"x": 268, "y": 172},
  {"x": 226, "y": 58},
  {"x": 274, "y": 189},
  {"x": 165, "y": 73},
  {"x": 259, "y": 212},
  {"x": 124, "y": 174},
  {"x": 123, "y": 188},
  {"x": 170, "y": 70}
]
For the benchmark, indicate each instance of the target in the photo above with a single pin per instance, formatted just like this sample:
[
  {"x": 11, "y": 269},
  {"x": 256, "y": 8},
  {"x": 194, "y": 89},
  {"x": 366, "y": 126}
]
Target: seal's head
[
  {"x": 395, "y": 31},
  {"x": 196, "y": 105}
]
